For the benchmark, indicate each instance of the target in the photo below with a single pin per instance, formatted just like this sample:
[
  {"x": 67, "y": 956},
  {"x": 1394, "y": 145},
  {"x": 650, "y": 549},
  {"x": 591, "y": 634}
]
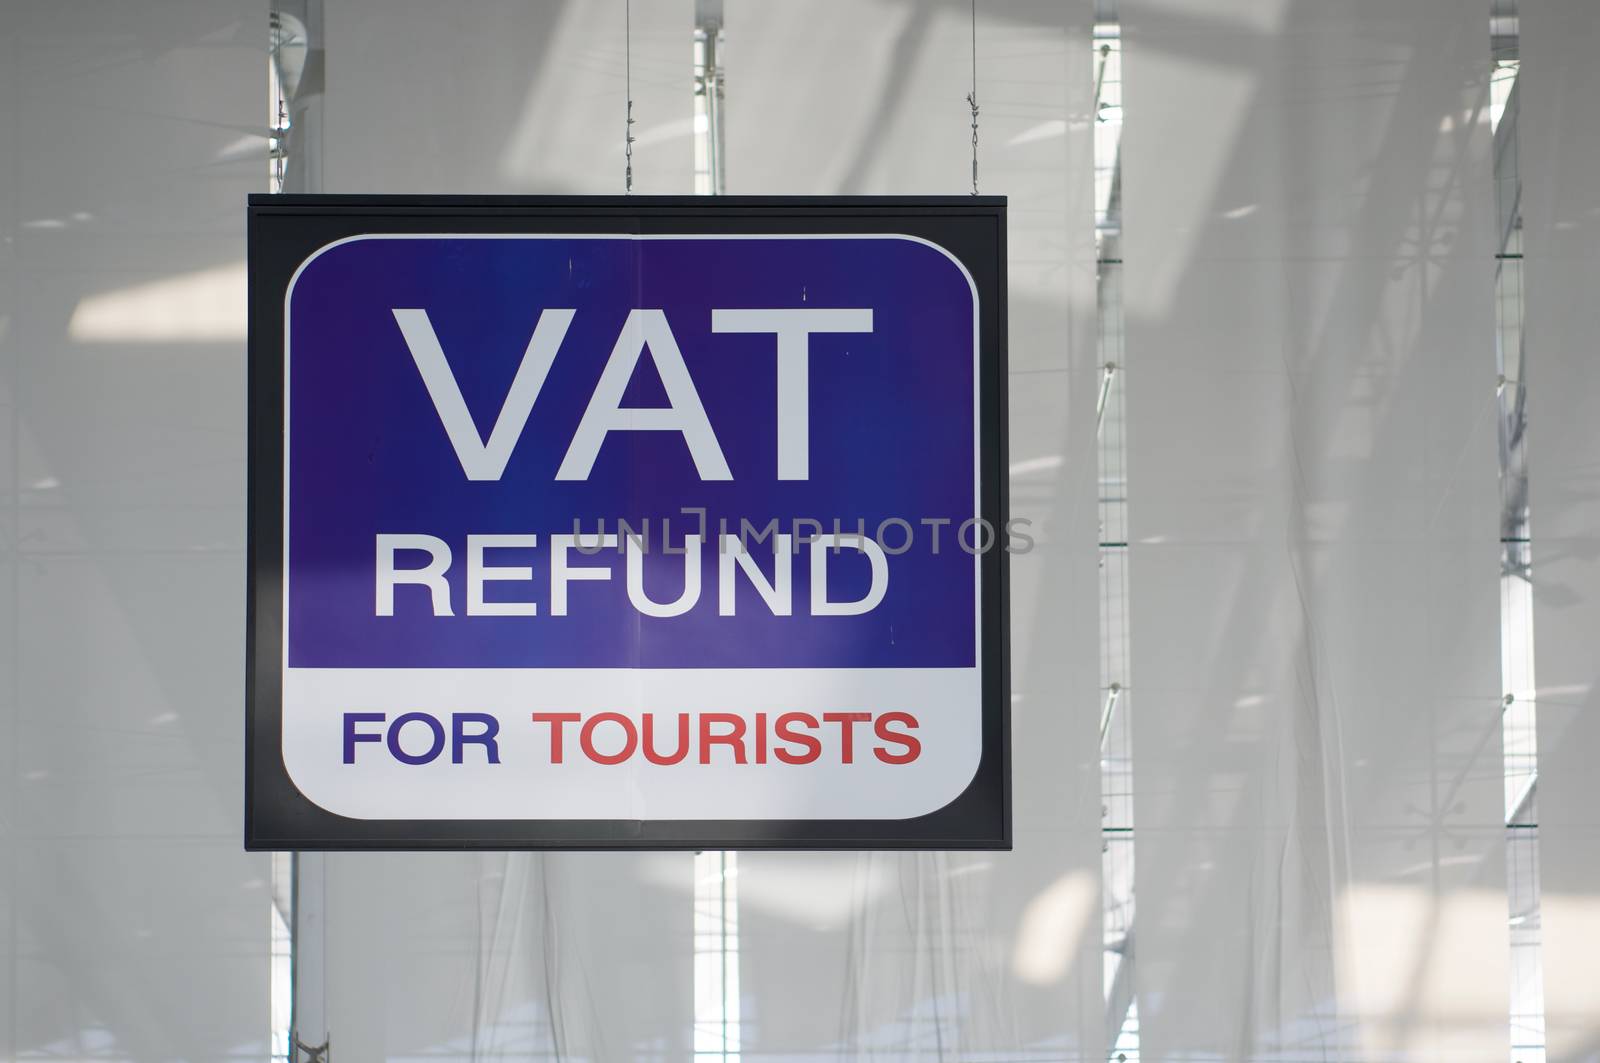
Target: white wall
[
  {"x": 1313, "y": 514},
  {"x": 133, "y": 924}
]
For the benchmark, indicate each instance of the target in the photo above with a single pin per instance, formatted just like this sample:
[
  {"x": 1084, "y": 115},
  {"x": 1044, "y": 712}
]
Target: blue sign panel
[
  {"x": 570, "y": 535},
  {"x": 652, "y": 392}
]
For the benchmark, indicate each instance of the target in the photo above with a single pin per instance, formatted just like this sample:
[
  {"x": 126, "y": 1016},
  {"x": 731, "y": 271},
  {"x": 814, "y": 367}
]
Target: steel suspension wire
[
  {"x": 627, "y": 141},
  {"x": 972, "y": 97}
]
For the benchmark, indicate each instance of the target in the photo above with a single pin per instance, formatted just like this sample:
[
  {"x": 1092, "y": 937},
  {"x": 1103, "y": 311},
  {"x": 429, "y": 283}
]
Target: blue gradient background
[{"x": 892, "y": 435}]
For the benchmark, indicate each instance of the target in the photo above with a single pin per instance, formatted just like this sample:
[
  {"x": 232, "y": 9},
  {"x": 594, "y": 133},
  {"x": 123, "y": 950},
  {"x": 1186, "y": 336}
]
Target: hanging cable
[
  {"x": 627, "y": 143},
  {"x": 972, "y": 97}
]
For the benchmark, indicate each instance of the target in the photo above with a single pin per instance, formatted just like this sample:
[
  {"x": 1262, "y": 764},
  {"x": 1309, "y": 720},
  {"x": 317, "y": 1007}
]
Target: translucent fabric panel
[
  {"x": 508, "y": 955},
  {"x": 1560, "y": 152},
  {"x": 132, "y": 923},
  {"x": 481, "y": 96},
  {"x": 953, "y": 956},
  {"x": 503, "y": 956},
  {"x": 1313, "y": 512}
]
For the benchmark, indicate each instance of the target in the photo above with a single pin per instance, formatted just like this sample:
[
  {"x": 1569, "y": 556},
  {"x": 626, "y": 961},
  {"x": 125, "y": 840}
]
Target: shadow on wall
[{"x": 1319, "y": 779}]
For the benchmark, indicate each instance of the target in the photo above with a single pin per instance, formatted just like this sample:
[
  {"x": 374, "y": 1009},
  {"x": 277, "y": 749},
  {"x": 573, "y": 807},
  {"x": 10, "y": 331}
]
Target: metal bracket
[{"x": 317, "y": 1054}]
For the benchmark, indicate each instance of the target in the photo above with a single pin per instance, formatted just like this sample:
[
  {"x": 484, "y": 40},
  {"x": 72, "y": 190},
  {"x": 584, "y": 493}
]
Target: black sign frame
[{"x": 285, "y": 230}]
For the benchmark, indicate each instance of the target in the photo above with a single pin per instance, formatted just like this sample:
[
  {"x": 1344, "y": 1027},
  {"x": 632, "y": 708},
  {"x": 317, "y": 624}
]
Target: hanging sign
[{"x": 627, "y": 523}]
